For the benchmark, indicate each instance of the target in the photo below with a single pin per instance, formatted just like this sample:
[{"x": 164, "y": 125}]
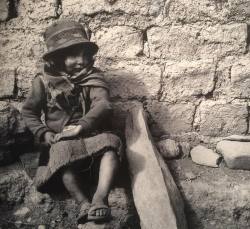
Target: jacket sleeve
[
  {"x": 32, "y": 109},
  {"x": 100, "y": 109}
]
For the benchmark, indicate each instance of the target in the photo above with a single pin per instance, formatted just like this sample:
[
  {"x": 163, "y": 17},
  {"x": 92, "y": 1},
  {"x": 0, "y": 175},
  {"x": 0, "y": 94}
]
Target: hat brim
[{"x": 91, "y": 45}]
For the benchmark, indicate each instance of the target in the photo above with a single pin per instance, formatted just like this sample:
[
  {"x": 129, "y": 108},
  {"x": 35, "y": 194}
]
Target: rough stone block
[
  {"x": 206, "y": 10},
  {"x": 233, "y": 78},
  {"x": 223, "y": 73},
  {"x": 4, "y": 10},
  {"x": 24, "y": 79},
  {"x": 171, "y": 118},
  {"x": 133, "y": 7},
  {"x": 236, "y": 154},
  {"x": 216, "y": 118},
  {"x": 168, "y": 148},
  {"x": 119, "y": 41},
  {"x": 7, "y": 83},
  {"x": 38, "y": 10},
  {"x": 184, "y": 81},
  {"x": 132, "y": 79},
  {"x": 240, "y": 79},
  {"x": 4, "y": 106},
  {"x": 194, "y": 41},
  {"x": 239, "y": 9},
  {"x": 21, "y": 49},
  {"x": 204, "y": 156}
]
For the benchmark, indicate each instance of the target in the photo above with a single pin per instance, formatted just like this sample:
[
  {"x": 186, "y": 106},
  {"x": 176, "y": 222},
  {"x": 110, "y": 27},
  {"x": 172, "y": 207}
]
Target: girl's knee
[
  {"x": 112, "y": 155},
  {"x": 68, "y": 176},
  {"x": 112, "y": 158}
]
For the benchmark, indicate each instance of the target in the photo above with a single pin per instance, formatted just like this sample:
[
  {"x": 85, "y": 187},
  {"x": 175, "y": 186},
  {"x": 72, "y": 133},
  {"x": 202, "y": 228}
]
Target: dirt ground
[
  {"x": 215, "y": 198},
  {"x": 21, "y": 206}
]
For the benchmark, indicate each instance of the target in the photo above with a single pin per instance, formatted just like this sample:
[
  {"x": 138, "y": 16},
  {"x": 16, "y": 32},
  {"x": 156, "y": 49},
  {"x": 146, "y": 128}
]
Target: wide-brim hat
[{"x": 64, "y": 34}]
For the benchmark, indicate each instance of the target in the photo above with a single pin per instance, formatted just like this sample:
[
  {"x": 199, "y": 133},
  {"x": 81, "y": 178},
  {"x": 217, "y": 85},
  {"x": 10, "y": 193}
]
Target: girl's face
[{"x": 75, "y": 60}]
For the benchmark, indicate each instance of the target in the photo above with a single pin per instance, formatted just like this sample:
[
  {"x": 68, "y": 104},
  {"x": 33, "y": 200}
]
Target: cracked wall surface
[{"x": 186, "y": 61}]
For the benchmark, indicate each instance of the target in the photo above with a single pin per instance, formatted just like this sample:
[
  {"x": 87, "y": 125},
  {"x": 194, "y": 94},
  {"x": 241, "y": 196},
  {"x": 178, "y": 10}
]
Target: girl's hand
[
  {"x": 70, "y": 133},
  {"x": 49, "y": 138}
]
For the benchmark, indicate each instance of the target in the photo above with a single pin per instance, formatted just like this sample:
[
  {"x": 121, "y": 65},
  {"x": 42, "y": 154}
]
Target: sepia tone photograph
[{"x": 124, "y": 114}]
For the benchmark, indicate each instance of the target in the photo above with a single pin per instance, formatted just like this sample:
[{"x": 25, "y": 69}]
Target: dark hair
[{"x": 55, "y": 62}]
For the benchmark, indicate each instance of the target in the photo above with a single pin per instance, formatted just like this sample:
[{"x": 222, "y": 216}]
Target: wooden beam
[{"x": 156, "y": 196}]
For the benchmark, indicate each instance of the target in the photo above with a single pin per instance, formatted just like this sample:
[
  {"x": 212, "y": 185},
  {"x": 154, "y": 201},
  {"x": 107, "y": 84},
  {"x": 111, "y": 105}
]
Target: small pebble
[
  {"x": 168, "y": 148},
  {"x": 204, "y": 156},
  {"x": 190, "y": 176},
  {"x": 22, "y": 212},
  {"x": 29, "y": 220}
]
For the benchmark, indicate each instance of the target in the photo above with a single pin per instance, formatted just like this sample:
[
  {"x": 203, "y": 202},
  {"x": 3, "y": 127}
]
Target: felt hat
[{"x": 66, "y": 33}]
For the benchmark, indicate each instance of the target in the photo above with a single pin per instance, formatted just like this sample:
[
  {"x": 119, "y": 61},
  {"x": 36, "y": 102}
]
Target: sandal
[{"x": 92, "y": 213}]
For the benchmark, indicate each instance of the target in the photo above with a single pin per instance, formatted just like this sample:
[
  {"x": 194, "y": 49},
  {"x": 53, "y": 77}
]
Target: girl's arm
[
  {"x": 32, "y": 109},
  {"x": 100, "y": 109}
]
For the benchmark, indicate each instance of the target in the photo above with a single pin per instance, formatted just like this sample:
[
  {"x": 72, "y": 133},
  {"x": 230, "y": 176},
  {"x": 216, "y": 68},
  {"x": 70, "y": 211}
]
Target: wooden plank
[{"x": 156, "y": 196}]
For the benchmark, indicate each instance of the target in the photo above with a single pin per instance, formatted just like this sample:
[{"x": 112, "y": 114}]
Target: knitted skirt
[{"x": 70, "y": 153}]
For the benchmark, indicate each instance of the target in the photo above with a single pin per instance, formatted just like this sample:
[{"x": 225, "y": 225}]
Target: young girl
[{"x": 74, "y": 100}]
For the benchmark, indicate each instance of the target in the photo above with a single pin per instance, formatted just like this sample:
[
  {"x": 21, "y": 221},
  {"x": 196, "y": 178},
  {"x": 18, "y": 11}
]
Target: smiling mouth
[{"x": 78, "y": 69}]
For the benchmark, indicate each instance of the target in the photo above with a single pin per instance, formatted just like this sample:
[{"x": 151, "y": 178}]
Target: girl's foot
[{"x": 99, "y": 211}]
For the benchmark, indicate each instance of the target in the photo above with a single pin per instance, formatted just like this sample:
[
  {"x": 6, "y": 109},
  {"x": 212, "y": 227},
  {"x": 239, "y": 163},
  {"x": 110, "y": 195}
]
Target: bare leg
[
  {"x": 72, "y": 185},
  {"x": 108, "y": 168}
]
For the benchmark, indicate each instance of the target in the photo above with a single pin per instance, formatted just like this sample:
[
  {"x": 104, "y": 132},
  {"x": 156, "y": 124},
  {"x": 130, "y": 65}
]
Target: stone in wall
[
  {"x": 104, "y": 20},
  {"x": 92, "y": 7},
  {"x": 240, "y": 78},
  {"x": 119, "y": 41},
  {"x": 233, "y": 78},
  {"x": 38, "y": 10},
  {"x": 217, "y": 118},
  {"x": 218, "y": 11},
  {"x": 4, "y": 10},
  {"x": 223, "y": 75},
  {"x": 24, "y": 79},
  {"x": 184, "y": 81},
  {"x": 130, "y": 79},
  {"x": 7, "y": 83},
  {"x": 21, "y": 49},
  {"x": 197, "y": 41},
  {"x": 170, "y": 118}
]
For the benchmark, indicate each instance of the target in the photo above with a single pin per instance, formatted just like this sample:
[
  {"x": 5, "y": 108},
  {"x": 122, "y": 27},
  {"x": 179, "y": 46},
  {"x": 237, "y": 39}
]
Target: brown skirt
[{"x": 70, "y": 153}]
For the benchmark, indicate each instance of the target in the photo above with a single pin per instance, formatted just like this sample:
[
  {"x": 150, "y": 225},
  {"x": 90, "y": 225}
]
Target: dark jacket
[{"x": 88, "y": 105}]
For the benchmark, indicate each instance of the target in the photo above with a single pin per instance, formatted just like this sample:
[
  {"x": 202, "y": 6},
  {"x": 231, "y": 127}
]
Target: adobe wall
[{"x": 187, "y": 61}]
